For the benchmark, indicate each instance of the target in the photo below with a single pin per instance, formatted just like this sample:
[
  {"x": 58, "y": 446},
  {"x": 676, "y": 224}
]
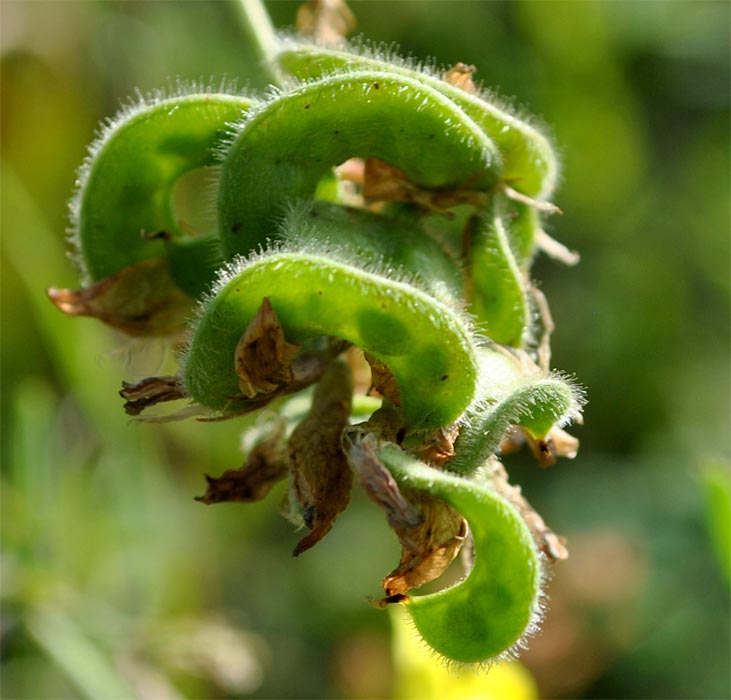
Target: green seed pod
[
  {"x": 514, "y": 393},
  {"x": 123, "y": 213},
  {"x": 316, "y": 289},
  {"x": 376, "y": 242},
  {"x": 498, "y": 278},
  {"x": 284, "y": 148},
  {"x": 529, "y": 163},
  {"x": 487, "y": 613}
]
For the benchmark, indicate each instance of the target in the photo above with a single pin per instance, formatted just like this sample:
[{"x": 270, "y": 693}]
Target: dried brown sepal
[
  {"x": 151, "y": 391},
  {"x": 383, "y": 182},
  {"x": 362, "y": 381},
  {"x": 383, "y": 603},
  {"x": 428, "y": 549},
  {"x": 327, "y": 21},
  {"x": 460, "y": 75},
  {"x": 539, "y": 204},
  {"x": 352, "y": 170},
  {"x": 141, "y": 300},
  {"x": 556, "y": 250},
  {"x": 548, "y": 542},
  {"x": 307, "y": 368},
  {"x": 558, "y": 443},
  {"x": 267, "y": 463},
  {"x": 383, "y": 381},
  {"x": 386, "y": 424},
  {"x": 263, "y": 357},
  {"x": 545, "y": 328},
  {"x": 512, "y": 441},
  {"x": 437, "y": 448},
  {"x": 321, "y": 477},
  {"x": 360, "y": 447}
]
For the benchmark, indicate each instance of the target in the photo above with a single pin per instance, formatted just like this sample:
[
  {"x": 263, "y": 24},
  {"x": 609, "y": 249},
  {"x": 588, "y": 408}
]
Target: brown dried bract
[
  {"x": 263, "y": 357},
  {"x": 383, "y": 381},
  {"x": 306, "y": 368},
  {"x": 383, "y": 182},
  {"x": 558, "y": 443},
  {"x": 266, "y": 464},
  {"x": 553, "y": 546},
  {"x": 460, "y": 75},
  {"x": 141, "y": 299},
  {"x": 321, "y": 477},
  {"x": 360, "y": 447},
  {"x": 437, "y": 448},
  {"x": 540, "y": 204},
  {"x": 428, "y": 549},
  {"x": 352, "y": 170},
  {"x": 555, "y": 249},
  {"x": 545, "y": 328},
  {"x": 362, "y": 381},
  {"x": 327, "y": 21},
  {"x": 431, "y": 532},
  {"x": 151, "y": 391}
]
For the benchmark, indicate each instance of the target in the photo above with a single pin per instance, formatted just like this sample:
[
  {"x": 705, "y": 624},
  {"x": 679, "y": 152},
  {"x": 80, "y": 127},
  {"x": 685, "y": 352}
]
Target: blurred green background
[{"x": 116, "y": 584}]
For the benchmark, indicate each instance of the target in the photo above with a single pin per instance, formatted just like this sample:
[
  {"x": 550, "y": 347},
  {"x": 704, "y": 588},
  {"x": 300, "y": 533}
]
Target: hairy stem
[{"x": 260, "y": 31}]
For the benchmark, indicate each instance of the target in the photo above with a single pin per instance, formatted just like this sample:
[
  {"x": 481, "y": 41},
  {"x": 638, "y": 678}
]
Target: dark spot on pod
[
  {"x": 396, "y": 598},
  {"x": 309, "y": 516},
  {"x": 156, "y": 236},
  {"x": 444, "y": 378},
  {"x": 336, "y": 132},
  {"x": 238, "y": 289},
  {"x": 376, "y": 86},
  {"x": 319, "y": 292},
  {"x": 235, "y": 228},
  {"x": 307, "y": 106}
]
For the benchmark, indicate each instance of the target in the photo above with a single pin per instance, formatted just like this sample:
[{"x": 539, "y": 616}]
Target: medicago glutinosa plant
[{"x": 375, "y": 225}]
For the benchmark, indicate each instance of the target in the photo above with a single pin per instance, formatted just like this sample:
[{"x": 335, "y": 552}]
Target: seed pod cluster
[{"x": 369, "y": 210}]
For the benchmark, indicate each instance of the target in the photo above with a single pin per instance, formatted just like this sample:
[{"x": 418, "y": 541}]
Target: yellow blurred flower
[{"x": 421, "y": 675}]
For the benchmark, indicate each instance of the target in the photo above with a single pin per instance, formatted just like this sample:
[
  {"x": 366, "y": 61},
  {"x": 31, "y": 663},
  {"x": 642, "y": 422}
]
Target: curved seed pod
[
  {"x": 487, "y": 613},
  {"x": 375, "y": 242},
  {"x": 499, "y": 287},
  {"x": 529, "y": 163},
  {"x": 516, "y": 394},
  {"x": 523, "y": 226},
  {"x": 284, "y": 148},
  {"x": 123, "y": 211},
  {"x": 426, "y": 345}
]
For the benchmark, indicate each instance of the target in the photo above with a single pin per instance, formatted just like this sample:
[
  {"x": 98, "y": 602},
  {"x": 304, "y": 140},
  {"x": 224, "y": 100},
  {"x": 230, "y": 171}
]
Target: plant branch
[{"x": 260, "y": 31}]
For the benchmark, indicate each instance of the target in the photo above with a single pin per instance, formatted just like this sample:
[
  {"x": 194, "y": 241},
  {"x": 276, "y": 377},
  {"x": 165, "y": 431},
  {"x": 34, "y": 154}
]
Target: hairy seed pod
[
  {"x": 515, "y": 393},
  {"x": 123, "y": 211},
  {"x": 528, "y": 162},
  {"x": 488, "y": 612},
  {"x": 283, "y": 149},
  {"x": 499, "y": 283},
  {"x": 316, "y": 290}
]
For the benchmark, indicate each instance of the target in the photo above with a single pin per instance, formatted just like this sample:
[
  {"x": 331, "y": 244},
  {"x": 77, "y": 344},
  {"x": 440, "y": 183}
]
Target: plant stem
[{"x": 259, "y": 28}]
